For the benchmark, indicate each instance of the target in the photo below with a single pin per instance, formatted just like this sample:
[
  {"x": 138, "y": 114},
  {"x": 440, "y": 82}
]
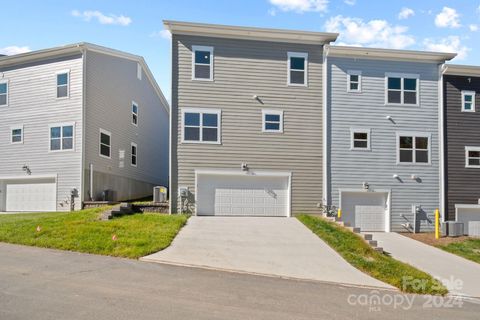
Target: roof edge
[{"x": 462, "y": 70}]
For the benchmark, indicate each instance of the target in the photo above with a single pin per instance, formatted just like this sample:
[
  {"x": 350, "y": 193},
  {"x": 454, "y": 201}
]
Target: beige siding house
[
  {"x": 79, "y": 118},
  {"x": 246, "y": 120}
]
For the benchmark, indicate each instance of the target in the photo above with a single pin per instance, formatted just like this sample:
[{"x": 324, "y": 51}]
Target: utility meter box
[{"x": 159, "y": 194}]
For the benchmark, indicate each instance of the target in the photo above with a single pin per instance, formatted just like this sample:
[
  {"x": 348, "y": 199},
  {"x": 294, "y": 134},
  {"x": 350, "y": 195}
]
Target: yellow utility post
[
  {"x": 437, "y": 224},
  {"x": 339, "y": 213}
]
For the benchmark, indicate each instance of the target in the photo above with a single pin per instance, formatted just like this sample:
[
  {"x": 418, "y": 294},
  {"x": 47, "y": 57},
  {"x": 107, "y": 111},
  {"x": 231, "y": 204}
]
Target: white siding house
[{"x": 56, "y": 104}]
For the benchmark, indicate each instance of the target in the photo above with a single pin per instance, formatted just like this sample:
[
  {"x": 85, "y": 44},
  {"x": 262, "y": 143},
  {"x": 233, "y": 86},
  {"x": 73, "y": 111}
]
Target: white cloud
[
  {"x": 102, "y": 18},
  {"x": 373, "y": 33},
  {"x": 473, "y": 27},
  {"x": 272, "y": 12},
  {"x": 164, "y": 34},
  {"x": 448, "y": 18},
  {"x": 448, "y": 44},
  {"x": 301, "y": 6},
  {"x": 11, "y": 50},
  {"x": 350, "y": 2},
  {"x": 405, "y": 13}
]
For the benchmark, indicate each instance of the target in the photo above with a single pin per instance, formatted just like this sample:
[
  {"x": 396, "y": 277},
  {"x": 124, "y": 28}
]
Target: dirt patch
[{"x": 429, "y": 238}]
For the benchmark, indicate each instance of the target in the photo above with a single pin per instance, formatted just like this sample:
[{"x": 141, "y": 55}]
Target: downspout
[
  {"x": 325, "y": 126},
  {"x": 172, "y": 193},
  {"x": 83, "y": 50},
  {"x": 442, "y": 68}
]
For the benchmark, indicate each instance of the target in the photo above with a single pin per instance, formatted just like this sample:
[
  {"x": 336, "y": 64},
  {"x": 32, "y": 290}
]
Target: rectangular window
[
  {"x": 134, "y": 113},
  {"x": 133, "y": 152},
  {"x": 402, "y": 89},
  {"x": 61, "y": 137},
  {"x": 3, "y": 93},
  {"x": 202, "y": 63},
  {"x": 201, "y": 125},
  {"x": 16, "y": 134},
  {"x": 472, "y": 157},
  {"x": 272, "y": 121},
  {"x": 360, "y": 139},
  {"x": 354, "y": 81},
  {"x": 468, "y": 101},
  {"x": 105, "y": 143},
  {"x": 63, "y": 79},
  {"x": 413, "y": 148},
  {"x": 297, "y": 68}
]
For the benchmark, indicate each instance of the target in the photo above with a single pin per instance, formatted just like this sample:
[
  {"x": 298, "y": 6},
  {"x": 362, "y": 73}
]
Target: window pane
[
  {"x": 406, "y": 142},
  {"x": 68, "y": 131},
  {"x": 62, "y": 91},
  {"x": 421, "y": 143},
  {"x": 192, "y": 134},
  {"x": 272, "y": 126},
  {"x": 468, "y": 106},
  {"x": 134, "y": 150},
  {"x": 210, "y": 119},
  {"x": 105, "y": 139},
  {"x": 16, "y": 132},
  {"x": 410, "y": 84},
  {"x": 394, "y": 96},
  {"x": 360, "y": 144},
  {"x": 192, "y": 119},
  {"x": 105, "y": 150},
  {"x": 134, "y": 108},
  {"x": 67, "y": 143},
  {"x": 474, "y": 162},
  {"x": 297, "y": 63},
  {"x": 202, "y": 72},
  {"x": 134, "y": 118},
  {"x": 421, "y": 156},
  {"x": 410, "y": 97},
  {"x": 272, "y": 117},
  {"x": 353, "y": 86},
  {"x": 3, "y": 99},
  {"x": 406, "y": 155},
  {"x": 62, "y": 79},
  {"x": 55, "y": 144},
  {"x": 474, "y": 154},
  {"x": 202, "y": 57},
  {"x": 16, "y": 138},
  {"x": 353, "y": 78},
  {"x": 209, "y": 134},
  {"x": 394, "y": 83},
  {"x": 468, "y": 97},
  {"x": 134, "y": 160},
  {"x": 3, "y": 88},
  {"x": 360, "y": 136},
  {"x": 55, "y": 132},
  {"x": 297, "y": 77}
]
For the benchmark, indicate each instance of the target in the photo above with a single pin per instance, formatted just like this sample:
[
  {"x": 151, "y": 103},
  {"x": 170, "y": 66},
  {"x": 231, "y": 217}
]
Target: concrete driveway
[
  {"x": 459, "y": 275},
  {"x": 268, "y": 246}
]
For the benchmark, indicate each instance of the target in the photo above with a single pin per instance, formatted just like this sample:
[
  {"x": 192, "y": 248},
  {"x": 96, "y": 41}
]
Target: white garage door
[
  {"x": 235, "y": 195},
  {"x": 366, "y": 210},
  {"x": 29, "y": 196}
]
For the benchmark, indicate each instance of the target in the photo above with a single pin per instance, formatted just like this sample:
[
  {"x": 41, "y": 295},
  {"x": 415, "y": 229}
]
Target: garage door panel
[{"x": 31, "y": 196}]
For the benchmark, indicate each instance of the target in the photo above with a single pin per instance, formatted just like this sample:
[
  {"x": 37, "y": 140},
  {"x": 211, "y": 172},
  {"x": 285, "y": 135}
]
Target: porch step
[
  {"x": 117, "y": 211},
  {"x": 378, "y": 249},
  {"x": 367, "y": 236},
  {"x": 354, "y": 229},
  {"x": 372, "y": 243},
  {"x": 343, "y": 223}
]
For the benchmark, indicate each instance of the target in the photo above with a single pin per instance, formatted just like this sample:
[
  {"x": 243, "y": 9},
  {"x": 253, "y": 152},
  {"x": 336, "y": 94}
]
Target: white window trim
[
  {"x": 138, "y": 111},
  {"x": 201, "y": 111},
  {"x": 61, "y": 125},
  {"x": 402, "y": 76},
  {"x": 360, "y": 130},
  {"x": 415, "y": 135},
  {"x": 305, "y": 74},
  {"x": 7, "y": 94},
  {"x": 274, "y": 112},
  {"x": 100, "y": 143},
  {"x": 139, "y": 71},
  {"x": 467, "y": 149},
  {"x": 16, "y": 127},
  {"x": 202, "y": 48},
  {"x": 354, "y": 73},
  {"x": 467, "y": 93},
  {"x": 133, "y": 144},
  {"x": 67, "y": 71}
]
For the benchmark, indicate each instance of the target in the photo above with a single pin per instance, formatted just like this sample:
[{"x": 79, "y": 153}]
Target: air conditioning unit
[
  {"x": 474, "y": 228},
  {"x": 455, "y": 229},
  {"x": 444, "y": 229},
  {"x": 159, "y": 194}
]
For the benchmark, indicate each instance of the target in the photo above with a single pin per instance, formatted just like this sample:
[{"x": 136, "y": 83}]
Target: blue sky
[{"x": 136, "y": 26}]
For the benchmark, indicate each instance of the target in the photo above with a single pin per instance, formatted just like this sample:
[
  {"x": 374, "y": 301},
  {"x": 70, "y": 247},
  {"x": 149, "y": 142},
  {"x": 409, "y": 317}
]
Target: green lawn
[
  {"x": 380, "y": 266},
  {"x": 136, "y": 235},
  {"x": 469, "y": 249}
]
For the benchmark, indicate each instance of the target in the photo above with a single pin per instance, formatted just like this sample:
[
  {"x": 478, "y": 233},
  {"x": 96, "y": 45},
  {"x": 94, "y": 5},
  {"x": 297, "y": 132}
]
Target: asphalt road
[{"x": 48, "y": 284}]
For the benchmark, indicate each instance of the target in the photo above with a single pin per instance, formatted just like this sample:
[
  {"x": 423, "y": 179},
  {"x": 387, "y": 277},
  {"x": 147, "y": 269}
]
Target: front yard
[{"x": 129, "y": 236}]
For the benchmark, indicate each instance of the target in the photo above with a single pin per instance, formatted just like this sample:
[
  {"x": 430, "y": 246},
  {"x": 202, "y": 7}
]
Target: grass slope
[
  {"x": 136, "y": 235},
  {"x": 469, "y": 249},
  {"x": 380, "y": 266}
]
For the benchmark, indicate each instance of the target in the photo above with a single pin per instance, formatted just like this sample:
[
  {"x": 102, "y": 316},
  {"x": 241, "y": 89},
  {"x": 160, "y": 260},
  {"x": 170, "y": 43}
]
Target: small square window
[
  {"x": 360, "y": 139},
  {"x": 272, "y": 121},
  {"x": 472, "y": 155},
  {"x": 201, "y": 125},
  {"x": 297, "y": 68},
  {"x": 354, "y": 81},
  {"x": 61, "y": 137},
  {"x": 16, "y": 134},
  {"x": 402, "y": 90},
  {"x": 468, "y": 101},
  {"x": 3, "y": 93},
  {"x": 202, "y": 64},
  {"x": 62, "y": 84},
  {"x": 414, "y": 149}
]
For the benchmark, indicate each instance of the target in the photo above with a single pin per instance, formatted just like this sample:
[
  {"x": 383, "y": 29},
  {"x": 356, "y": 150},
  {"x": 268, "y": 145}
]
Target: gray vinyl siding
[
  {"x": 111, "y": 86},
  {"x": 33, "y": 103},
  {"x": 461, "y": 130},
  {"x": 348, "y": 169},
  {"x": 242, "y": 69}
]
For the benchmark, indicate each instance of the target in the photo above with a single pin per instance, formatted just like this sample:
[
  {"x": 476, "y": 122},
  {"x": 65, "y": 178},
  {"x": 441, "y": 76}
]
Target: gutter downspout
[
  {"x": 83, "y": 50},
  {"x": 442, "y": 68},
  {"x": 326, "y": 128},
  {"x": 172, "y": 193}
]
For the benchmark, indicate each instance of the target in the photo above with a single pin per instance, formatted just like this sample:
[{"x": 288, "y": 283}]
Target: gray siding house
[
  {"x": 383, "y": 132},
  {"x": 79, "y": 119},
  {"x": 462, "y": 143},
  {"x": 246, "y": 120}
]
